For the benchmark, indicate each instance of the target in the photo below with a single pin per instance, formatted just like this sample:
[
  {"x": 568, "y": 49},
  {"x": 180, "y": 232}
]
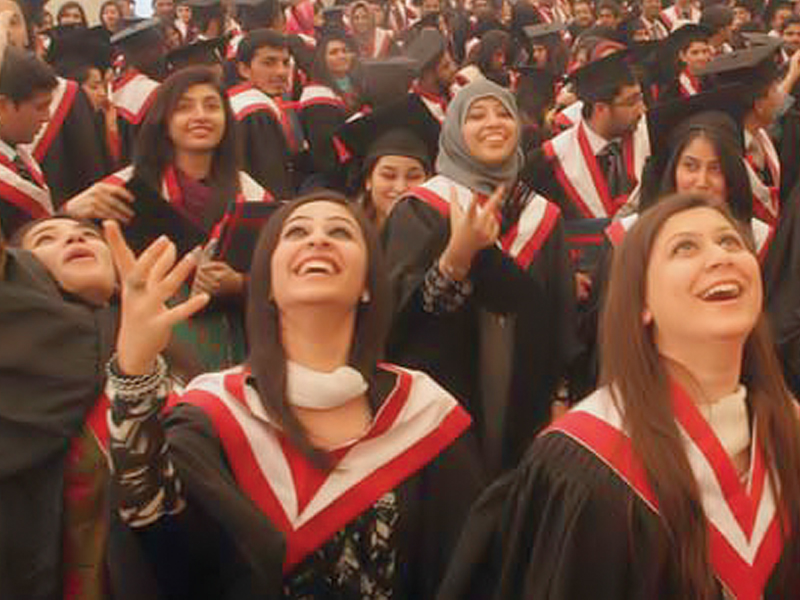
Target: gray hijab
[{"x": 455, "y": 161}]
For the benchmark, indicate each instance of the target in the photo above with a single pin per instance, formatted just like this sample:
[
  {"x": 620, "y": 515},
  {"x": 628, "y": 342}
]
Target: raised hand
[
  {"x": 102, "y": 201},
  {"x": 147, "y": 283},
  {"x": 470, "y": 232}
]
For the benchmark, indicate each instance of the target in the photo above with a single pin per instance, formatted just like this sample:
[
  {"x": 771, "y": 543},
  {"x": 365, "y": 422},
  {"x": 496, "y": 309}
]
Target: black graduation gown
[
  {"x": 51, "y": 358},
  {"x": 569, "y": 524},
  {"x": 266, "y": 156},
  {"x": 788, "y": 142},
  {"x": 74, "y": 154},
  {"x": 322, "y": 113},
  {"x": 223, "y": 547},
  {"x": 536, "y": 304}
]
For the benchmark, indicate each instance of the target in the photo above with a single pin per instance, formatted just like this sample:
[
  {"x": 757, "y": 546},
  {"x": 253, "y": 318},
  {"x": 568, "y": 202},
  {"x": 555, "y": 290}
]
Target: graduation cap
[
  {"x": 753, "y": 66},
  {"x": 716, "y": 17},
  {"x": 537, "y": 32},
  {"x": 598, "y": 80},
  {"x": 683, "y": 36},
  {"x": 74, "y": 47},
  {"x": 138, "y": 32},
  {"x": 383, "y": 81},
  {"x": 426, "y": 48},
  {"x": 403, "y": 128},
  {"x": 664, "y": 119},
  {"x": 204, "y": 52},
  {"x": 154, "y": 217}
]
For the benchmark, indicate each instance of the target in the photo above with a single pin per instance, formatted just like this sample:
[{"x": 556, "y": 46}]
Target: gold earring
[{"x": 365, "y": 297}]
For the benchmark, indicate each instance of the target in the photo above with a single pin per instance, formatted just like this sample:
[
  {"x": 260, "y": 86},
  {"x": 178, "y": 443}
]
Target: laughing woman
[
  {"x": 480, "y": 275},
  {"x": 680, "y": 476},
  {"x": 309, "y": 472},
  {"x": 187, "y": 150}
]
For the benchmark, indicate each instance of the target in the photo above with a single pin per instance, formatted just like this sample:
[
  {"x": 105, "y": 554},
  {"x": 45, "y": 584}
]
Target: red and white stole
[
  {"x": 766, "y": 202},
  {"x": 246, "y": 99},
  {"x": 379, "y": 45},
  {"x": 742, "y": 518},
  {"x": 580, "y": 175},
  {"x": 250, "y": 191},
  {"x": 688, "y": 85},
  {"x": 436, "y": 104},
  {"x": 32, "y": 198},
  {"x": 63, "y": 98},
  {"x": 316, "y": 94},
  {"x": 762, "y": 233},
  {"x": 415, "y": 423},
  {"x": 522, "y": 242},
  {"x": 570, "y": 115},
  {"x": 132, "y": 94}
]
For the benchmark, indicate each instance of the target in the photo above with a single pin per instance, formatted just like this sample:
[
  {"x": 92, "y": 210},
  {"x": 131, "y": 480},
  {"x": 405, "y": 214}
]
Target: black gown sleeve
[
  {"x": 439, "y": 501},
  {"x": 77, "y": 157},
  {"x": 320, "y": 123},
  {"x": 561, "y": 527},
  {"x": 266, "y": 156}
]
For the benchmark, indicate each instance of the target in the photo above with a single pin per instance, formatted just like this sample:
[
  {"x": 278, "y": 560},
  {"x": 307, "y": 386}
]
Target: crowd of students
[{"x": 384, "y": 299}]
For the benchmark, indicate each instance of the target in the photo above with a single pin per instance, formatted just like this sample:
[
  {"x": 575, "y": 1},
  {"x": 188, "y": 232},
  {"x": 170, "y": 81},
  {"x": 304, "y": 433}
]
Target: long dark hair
[
  {"x": 319, "y": 68},
  {"x": 68, "y": 6},
  {"x": 739, "y": 193},
  {"x": 155, "y": 150},
  {"x": 632, "y": 365},
  {"x": 267, "y": 357}
]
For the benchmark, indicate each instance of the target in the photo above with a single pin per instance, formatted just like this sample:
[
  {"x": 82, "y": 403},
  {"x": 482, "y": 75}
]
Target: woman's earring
[
  {"x": 365, "y": 297},
  {"x": 647, "y": 317}
]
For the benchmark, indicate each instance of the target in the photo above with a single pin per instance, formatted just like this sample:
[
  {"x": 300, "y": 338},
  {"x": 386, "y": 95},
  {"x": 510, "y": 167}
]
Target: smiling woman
[
  {"x": 309, "y": 468},
  {"x": 481, "y": 279},
  {"x": 187, "y": 150},
  {"x": 685, "y": 463}
]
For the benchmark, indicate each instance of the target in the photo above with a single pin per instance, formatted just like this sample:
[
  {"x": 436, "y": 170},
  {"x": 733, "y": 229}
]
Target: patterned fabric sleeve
[
  {"x": 443, "y": 294},
  {"x": 144, "y": 477}
]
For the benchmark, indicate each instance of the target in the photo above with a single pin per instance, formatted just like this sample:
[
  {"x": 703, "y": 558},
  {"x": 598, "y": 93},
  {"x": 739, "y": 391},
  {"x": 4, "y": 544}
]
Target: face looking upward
[
  {"x": 320, "y": 259},
  {"x": 490, "y": 131},
  {"x": 198, "y": 122},
  {"x": 77, "y": 257},
  {"x": 698, "y": 169},
  {"x": 703, "y": 284}
]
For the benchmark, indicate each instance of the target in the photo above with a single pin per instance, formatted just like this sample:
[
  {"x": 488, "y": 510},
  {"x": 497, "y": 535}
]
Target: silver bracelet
[{"x": 136, "y": 385}]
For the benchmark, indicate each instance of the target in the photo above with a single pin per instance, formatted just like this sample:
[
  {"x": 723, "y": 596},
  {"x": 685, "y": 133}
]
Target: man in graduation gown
[
  {"x": 269, "y": 130},
  {"x": 132, "y": 93},
  {"x": 26, "y": 91},
  {"x": 437, "y": 70},
  {"x": 71, "y": 126},
  {"x": 762, "y": 101},
  {"x": 590, "y": 169}
]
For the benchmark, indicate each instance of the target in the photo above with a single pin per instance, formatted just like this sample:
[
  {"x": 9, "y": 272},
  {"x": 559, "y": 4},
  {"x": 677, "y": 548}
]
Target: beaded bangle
[{"x": 136, "y": 385}]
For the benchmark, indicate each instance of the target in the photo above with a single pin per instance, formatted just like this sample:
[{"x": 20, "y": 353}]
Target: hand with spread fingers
[
  {"x": 470, "y": 232},
  {"x": 148, "y": 282},
  {"x": 102, "y": 201}
]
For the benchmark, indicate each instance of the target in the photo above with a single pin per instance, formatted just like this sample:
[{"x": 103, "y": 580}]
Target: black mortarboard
[
  {"x": 77, "y": 47},
  {"x": 537, "y": 32},
  {"x": 138, "y": 32},
  {"x": 680, "y": 38},
  {"x": 599, "y": 80},
  {"x": 753, "y": 66},
  {"x": 664, "y": 119},
  {"x": 759, "y": 38},
  {"x": 204, "y": 52},
  {"x": 404, "y": 128},
  {"x": 383, "y": 81},
  {"x": 716, "y": 17},
  {"x": 155, "y": 216},
  {"x": 426, "y": 48}
]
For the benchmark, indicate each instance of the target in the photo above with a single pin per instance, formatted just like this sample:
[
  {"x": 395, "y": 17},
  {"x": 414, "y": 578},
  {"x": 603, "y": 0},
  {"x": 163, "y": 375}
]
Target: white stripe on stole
[
  {"x": 574, "y": 166},
  {"x": 419, "y": 417}
]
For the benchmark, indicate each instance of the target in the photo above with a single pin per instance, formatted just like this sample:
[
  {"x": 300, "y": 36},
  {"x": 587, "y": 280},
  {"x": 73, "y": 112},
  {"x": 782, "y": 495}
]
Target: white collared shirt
[
  {"x": 596, "y": 141},
  {"x": 7, "y": 150}
]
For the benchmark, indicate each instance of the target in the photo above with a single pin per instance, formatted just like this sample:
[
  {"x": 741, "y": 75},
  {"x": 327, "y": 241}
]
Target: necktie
[
  {"x": 614, "y": 167},
  {"x": 23, "y": 170}
]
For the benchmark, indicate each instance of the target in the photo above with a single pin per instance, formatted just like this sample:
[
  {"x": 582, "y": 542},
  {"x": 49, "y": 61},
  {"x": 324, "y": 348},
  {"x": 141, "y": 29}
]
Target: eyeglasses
[{"x": 630, "y": 102}]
